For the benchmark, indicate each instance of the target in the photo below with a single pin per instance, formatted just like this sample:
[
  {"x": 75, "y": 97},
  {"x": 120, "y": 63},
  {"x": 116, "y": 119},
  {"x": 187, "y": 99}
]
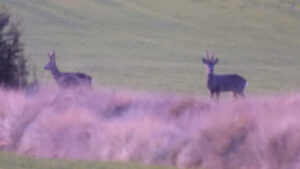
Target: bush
[{"x": 13, "y": 73}]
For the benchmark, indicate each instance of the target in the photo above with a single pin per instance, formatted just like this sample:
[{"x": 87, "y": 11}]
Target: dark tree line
[{"x": 13, "y": 72}]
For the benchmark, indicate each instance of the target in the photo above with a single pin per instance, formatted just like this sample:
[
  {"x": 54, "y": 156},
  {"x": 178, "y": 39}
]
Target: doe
[
  {"x": 67, "y": 79},
  {"x": 222, "y": 83}
]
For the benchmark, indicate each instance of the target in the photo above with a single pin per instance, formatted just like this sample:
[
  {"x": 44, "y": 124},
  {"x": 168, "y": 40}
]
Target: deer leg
[
  {"x": 242, "y": 94},
  {"x": 234, "y": 94},
  {"x": 212, "y": 93},
  {"x": 217, "y": 95}
]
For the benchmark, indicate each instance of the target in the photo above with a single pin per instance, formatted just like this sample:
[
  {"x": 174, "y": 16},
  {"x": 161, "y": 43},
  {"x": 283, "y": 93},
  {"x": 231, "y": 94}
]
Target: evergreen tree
[{"x": 13, "y": 73}]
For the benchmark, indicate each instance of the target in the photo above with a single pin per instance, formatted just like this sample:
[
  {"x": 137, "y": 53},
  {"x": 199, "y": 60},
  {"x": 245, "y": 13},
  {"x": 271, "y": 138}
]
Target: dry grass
[{"x": 260, "y": 132}]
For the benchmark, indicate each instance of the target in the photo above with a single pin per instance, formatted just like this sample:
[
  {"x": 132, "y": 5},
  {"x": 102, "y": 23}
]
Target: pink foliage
[{"x": 259, "y": 132}]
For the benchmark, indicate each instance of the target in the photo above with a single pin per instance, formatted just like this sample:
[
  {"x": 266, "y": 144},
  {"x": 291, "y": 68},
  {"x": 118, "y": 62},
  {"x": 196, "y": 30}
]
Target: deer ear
[
  {"x": 216, "y": 61},
  {"x": 51, "y": 54},
  {"x": 204, "y": 60}
]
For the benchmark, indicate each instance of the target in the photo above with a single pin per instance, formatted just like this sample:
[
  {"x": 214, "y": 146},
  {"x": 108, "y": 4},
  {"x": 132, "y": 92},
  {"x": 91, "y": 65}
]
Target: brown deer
[
  {"x": 222, "y": 83},
  {"x": 66, "y": 79}
]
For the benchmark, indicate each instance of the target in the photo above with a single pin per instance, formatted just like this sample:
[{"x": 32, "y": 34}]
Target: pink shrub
[{"x": 186, "y": 131}]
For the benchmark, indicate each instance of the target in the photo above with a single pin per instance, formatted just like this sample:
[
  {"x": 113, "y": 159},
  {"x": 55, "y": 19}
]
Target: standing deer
[
  {"x": 66, "y": 79},
  {"x": 222, "y": 83}
]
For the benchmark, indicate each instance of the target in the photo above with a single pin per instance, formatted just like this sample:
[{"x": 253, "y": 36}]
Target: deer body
[
  {"x": 223, "y": 83},
  {"x": 67, "y": 79}
]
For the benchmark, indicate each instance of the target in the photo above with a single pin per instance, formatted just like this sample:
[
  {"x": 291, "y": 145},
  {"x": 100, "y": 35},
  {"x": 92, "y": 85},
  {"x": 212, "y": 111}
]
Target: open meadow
[
  {"x": 149, "y": 104},
  {"x": 158, "y": 44}
]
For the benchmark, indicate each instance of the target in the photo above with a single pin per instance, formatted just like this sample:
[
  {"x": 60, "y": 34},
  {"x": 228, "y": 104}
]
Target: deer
[
  {"x": 67, "y": 79},
  {"x": 222, "y": 83}
]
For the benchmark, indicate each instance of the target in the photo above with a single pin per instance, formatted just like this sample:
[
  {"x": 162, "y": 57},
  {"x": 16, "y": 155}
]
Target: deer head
[
  {"x": 210, "y": 62},
  {"x": 51, "y": 64}
]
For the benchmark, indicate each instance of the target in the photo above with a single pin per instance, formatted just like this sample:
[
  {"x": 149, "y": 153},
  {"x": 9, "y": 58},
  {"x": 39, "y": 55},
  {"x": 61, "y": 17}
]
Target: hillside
[{"x": 158, "y": 44}]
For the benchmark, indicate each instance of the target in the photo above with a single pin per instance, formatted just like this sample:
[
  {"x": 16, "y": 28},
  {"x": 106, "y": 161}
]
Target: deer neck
[
  {"x": 55, "y": 72},
  {"x": 210, "y": 78},
  {"x": 210, "y": 73}
]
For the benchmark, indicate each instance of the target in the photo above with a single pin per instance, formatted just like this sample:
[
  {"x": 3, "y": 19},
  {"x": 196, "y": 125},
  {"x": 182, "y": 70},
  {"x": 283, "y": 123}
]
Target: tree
[{"x": 13, "y": 72}]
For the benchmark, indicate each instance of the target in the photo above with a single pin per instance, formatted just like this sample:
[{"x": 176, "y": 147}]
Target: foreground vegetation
[
  {"x": 152, "y": 128},
  {"x": 158, "y": 44}
]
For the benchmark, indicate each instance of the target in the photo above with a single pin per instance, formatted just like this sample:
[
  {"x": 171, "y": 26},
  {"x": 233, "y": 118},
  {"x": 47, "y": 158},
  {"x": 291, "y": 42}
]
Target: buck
[
  {"x": 67, "y": 79},
  {"x": 222, "y": 83}
]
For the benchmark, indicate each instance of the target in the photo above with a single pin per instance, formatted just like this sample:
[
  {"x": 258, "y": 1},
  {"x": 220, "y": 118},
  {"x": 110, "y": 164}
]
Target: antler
[
  {"x": 52, "y": 52},
  {"x": 205, "y": 60},
  {"x": 213, "y": 59},
  {"x": 207, "y": 54},
  {"x": 51, "y": 55},
  {"x": 210, "y": 58}
]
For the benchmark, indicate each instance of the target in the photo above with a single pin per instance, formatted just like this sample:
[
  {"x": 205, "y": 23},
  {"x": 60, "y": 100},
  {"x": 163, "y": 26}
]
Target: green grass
[
  {"x": 158, "y": 44},
  {"x": 12, "y": 161}
]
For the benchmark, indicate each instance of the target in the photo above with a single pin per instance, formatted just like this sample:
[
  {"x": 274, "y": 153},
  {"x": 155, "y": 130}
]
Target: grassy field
[
  {"x": 158, "y": 44},
  {"x": 13, "y": 161}
]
